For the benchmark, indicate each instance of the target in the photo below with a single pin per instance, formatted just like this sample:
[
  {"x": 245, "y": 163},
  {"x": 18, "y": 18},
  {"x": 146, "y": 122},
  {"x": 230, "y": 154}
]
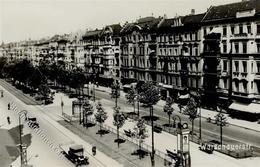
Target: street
[
  {"x": 209, "y": 130},
  {"x": 55, "y": 133}
]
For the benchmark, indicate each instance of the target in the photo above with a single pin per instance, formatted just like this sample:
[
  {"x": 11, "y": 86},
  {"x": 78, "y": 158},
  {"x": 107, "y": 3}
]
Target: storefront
[{"x": 245, "y": 111}]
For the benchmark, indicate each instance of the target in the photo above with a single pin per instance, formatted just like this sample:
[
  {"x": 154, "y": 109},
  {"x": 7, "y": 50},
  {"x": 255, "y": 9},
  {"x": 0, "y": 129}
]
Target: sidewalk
[{"x": 204, "y": 112}]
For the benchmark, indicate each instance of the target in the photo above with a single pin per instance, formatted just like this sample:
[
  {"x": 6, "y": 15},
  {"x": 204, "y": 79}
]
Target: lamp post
[{"x": 62, "y": 105}]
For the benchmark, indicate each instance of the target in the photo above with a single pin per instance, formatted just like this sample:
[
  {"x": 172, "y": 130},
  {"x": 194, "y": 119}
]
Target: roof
[
  {"x": 192, "y": 19},
  {"x": 91, "y": 34},
  {"x": 180, "y": 22},
  {"x": 142, "y": 24},
  {"x": 229, "y": 11},
  {"x": 114, "y": 29}
]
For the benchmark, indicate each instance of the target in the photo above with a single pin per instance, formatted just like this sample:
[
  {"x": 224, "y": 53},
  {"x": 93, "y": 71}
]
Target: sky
[{"x": 35, "y": 19}]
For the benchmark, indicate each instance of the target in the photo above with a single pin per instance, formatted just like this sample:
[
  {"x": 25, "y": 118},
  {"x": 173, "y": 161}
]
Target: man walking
[{"x": 8, "y": 120}]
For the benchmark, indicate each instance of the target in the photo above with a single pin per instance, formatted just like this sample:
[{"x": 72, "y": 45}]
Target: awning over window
[{"x": 251, "y": 108}]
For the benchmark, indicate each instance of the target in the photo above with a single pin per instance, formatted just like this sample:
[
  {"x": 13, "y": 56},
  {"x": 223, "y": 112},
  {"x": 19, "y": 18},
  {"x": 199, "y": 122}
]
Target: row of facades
[{"x": 176, "y": 53}]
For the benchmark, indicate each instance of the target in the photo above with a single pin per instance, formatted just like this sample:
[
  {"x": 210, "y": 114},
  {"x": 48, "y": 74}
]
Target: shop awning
[{"x": 250, "y": 108}]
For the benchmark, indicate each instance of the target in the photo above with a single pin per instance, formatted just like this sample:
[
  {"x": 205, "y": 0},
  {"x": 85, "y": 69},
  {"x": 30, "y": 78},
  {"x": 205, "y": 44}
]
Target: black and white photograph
[{"x": 129, "y": 83}]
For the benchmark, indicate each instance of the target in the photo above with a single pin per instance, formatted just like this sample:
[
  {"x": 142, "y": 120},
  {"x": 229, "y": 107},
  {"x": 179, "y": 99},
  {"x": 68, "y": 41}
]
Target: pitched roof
[
  {"x": 146, "y": 23},
  {"x": 114, "y": 28},
  {"x": 178, "y": 23},
  {"x": 229, "y": 11},
  {"x": 91, "y": 34},
  {"x": 192, "y": 19}
]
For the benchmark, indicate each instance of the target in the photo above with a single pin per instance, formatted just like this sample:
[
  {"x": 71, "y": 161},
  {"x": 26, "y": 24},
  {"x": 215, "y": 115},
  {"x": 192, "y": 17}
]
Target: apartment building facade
[{"x": 172, "y": 52}]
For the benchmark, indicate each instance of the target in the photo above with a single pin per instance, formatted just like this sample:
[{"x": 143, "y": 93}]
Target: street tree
[
  {"x": 100, "y": 116},
  {"x": 168, "y": 109},
  {"x": 141, "y": 133},
  {"x": 119, "y": 121},
  {"x": 221, "y": 121},
  {"x": 150, "y": 95},
  {"x": 44, "y": 91},
  {"x": 3, "y": 63},
  {"x": 131, "y": 97},
  {"x": 87, "y": 111},
  {"x": 115, "y": 91},
  {"x": 192, "y": 111}
]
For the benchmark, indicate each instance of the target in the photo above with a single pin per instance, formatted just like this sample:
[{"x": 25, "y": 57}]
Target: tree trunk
[
  {"x": 100, "y": 127},
  {"x": 117, "y": 130},
  {"x": 86, "y": 121},
  {"x": 116, "y": 101},
  {"x": 221, "y": 133},
  {"x": 138, "y": 107},
  {"x": 192, "y": 129},
  {"x": 134, "y": 106},
  {"x": 140, "y": 149},
  {"x": 169, "y": 119},
  {"x": 152, "y": 154}
]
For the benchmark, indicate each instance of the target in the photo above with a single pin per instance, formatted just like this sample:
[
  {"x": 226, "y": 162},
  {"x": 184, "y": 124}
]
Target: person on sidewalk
[
  {"x": 8, "y": 105},
  {"x": 94, "y": 150},
  {"x": 8, "y": 120}
]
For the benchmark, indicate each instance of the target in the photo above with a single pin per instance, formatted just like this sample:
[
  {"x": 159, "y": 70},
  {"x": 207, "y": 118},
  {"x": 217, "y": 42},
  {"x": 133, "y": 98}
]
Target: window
[
  {"x": 244, "y": 47},
  {"x": 236, "y": 48},
  {"x": 258, "y": 47},
  {"x": 258, "y": 29},
  {"x": 205, "y": 31},
  {"x": 224, "y": 47},
  {"x": 258, "y": 66},
  {"x": 224, "y": 31},
  {"x": 224, "y": 65},
  {"x": 236, "y": 66},
  {"x": 236, "y": 86},
  {"x": 196, "y": 51},
  {"x": 232, "y": 29},
  {"x": 225, "y": 83},
  {"x": 244, "y": 66},
  {"x": 240, "y": 29},
  {"x": 248, "y": 28},
  {"x": 245, "y": 86}
]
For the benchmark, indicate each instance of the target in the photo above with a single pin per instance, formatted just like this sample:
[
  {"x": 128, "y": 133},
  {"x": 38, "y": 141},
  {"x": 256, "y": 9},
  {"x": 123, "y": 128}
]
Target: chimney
[{"x": 192, "y": 12}]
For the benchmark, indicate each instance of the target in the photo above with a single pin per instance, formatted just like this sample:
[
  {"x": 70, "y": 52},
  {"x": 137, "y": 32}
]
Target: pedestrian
[
  {"x": 8, "y": 105},
  {"x": 94, "y": 150},
  {"x": 8, "y": 120}
]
